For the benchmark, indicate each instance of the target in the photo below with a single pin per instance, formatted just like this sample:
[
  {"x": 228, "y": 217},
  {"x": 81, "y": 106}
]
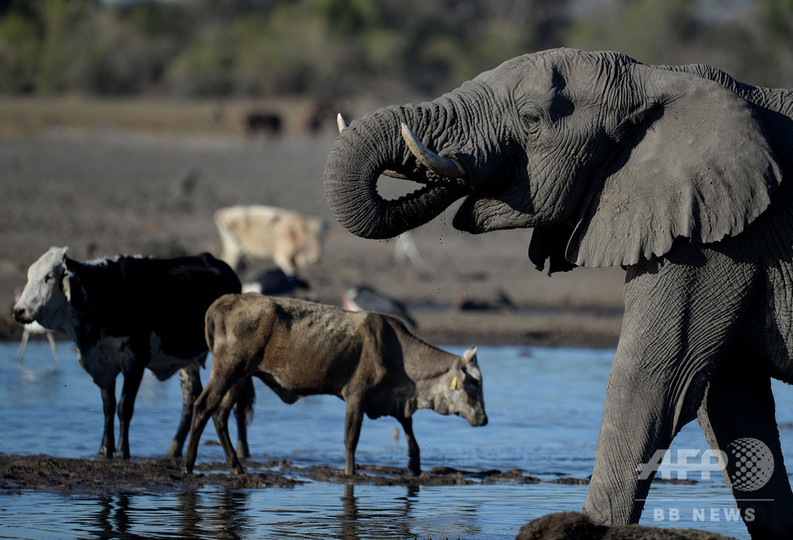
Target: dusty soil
[{"x": 103, "y": 192}]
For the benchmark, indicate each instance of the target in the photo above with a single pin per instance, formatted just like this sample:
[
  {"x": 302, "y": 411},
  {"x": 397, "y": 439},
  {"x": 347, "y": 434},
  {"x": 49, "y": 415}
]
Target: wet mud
[{"x": 105, "y": 476}]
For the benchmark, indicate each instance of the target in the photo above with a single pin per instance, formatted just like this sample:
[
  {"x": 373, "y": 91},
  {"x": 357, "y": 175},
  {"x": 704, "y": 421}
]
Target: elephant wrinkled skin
[{"x": 679, "y": 174}]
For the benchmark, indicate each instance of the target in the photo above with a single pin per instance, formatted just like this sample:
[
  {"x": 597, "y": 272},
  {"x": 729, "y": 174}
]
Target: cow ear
[
  {"x": 695, "y": 162},
  {"x": 469, "y": 355},
  {"x": 68, "y": 285},
  {"x": 72, "y": 288}
]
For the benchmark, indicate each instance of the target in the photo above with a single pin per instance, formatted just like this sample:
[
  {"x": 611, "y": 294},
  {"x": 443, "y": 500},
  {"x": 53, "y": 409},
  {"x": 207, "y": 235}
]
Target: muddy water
[{"x": 544, "y": 407}]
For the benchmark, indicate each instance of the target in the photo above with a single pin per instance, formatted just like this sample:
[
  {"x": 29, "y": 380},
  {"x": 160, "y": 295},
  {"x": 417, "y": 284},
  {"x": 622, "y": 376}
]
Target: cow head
[
  {"x": 47, "y": 294},
  {"x": 462, "y": 390}
]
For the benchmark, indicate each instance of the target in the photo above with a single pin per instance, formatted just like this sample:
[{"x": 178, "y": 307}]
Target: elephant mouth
[
  {"x": 475, "y": 213},
  {"x": 371, "y": 206}
]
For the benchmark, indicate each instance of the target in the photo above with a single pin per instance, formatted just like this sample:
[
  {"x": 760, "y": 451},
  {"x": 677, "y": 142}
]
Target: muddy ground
[
  {"x": 108, "y": 191},
  {"x": 99, "y": 476}
]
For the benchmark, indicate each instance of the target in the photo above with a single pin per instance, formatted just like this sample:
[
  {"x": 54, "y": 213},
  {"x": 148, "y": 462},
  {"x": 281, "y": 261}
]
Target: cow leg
[
  {"x": 352, "y": 431},
  {"x": 243, "y": 412},
  {"x": 109, "y": 409},
  {"x": 126, "y": 407},
  {"x": 285, "y": 263},
  {"x": 414, "y": 455},
  {"x": 23, "y": 345},
  {"x": 221, "y": 419},
  {"x": 53, "y": 347},
  {"x": 190, "y": 379},
  {"x": 203, "y": 408}
]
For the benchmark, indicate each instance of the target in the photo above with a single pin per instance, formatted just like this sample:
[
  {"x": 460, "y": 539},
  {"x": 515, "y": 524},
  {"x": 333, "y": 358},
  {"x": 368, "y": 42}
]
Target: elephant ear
[{"x": 696, "y": 163}]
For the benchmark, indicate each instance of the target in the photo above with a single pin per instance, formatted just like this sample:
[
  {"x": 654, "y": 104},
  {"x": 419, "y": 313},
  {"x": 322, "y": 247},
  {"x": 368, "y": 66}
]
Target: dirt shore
[
  {"x": 99, "y": 476},
  {"x": 103, "y": 192}
]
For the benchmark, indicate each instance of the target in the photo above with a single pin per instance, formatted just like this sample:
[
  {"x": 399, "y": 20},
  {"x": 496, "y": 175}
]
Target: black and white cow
[{"x": 128, "y": 313}]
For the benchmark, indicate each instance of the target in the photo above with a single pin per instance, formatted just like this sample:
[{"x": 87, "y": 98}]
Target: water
[{"x": 544, "y": 407}]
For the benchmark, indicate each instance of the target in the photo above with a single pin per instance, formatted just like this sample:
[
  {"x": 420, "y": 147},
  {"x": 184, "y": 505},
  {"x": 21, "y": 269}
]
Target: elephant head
[{"x": 608, "y": 159}]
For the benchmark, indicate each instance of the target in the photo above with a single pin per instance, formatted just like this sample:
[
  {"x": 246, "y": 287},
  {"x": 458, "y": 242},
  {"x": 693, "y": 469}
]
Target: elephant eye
[{"x": 531, "y": 117}]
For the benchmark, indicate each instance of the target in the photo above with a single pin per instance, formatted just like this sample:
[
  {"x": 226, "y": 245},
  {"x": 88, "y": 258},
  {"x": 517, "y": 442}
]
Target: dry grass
[{"x": 22, "y": 117}]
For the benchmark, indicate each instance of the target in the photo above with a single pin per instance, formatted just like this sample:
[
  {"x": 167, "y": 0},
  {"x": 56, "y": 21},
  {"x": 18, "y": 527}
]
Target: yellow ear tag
[{"x": 454, "y": 383}]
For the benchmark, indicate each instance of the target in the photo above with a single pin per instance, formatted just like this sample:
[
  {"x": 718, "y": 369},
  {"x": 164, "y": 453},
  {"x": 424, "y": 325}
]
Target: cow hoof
[{"x": 174, "y": 451}]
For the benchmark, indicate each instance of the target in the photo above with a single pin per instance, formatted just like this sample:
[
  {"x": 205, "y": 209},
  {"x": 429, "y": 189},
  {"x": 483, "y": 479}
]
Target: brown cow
[{"x": 300, "y": 348}]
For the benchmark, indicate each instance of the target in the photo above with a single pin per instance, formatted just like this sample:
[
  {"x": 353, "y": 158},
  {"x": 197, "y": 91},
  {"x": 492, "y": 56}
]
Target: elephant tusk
[
  {"x": 446, "y": 167},
  {"x": 341, "y": 123}
]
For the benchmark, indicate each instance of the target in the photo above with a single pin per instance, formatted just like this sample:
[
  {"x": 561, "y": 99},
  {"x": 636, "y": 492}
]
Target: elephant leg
[
  {"x": 738, "y": 414},
  {"x": 638, "y": 421},
  {"x": 678, "y": 323},
  {"x": 190, "y": 380}
]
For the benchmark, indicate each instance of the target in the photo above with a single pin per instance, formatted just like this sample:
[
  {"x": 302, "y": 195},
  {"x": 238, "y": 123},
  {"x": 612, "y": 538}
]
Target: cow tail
[{"x": 209, "y": 331}]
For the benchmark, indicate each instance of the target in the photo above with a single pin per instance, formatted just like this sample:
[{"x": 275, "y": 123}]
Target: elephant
[{"x": 680, "y": 175}]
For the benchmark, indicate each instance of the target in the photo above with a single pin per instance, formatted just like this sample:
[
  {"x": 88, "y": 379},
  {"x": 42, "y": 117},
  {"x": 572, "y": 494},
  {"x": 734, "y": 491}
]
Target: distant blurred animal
[
  {"x": 321, "y": 114},
  {"x": 365, "y": 298},
  {"x": 262, "y": 122},
  {"x": 499, "y": 301},
  {"x": 289, "y": 239},
  {"x": 36, "y": 329},
  {"x": 274, "y": 282},
  {"x": 128, "y": 313},
  {"x": 300, "y": 348}
]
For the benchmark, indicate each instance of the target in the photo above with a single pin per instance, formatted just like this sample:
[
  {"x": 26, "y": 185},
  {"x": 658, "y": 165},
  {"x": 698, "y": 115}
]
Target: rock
[{"x": 577, "y": 526}]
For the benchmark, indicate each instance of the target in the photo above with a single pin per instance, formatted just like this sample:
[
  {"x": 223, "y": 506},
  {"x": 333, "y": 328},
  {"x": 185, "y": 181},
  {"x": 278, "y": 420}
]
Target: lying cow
[
  {"x": 265, "y": 233},
  {"x": 299, "y": 348},
  {"x": 126, "y": 314}
]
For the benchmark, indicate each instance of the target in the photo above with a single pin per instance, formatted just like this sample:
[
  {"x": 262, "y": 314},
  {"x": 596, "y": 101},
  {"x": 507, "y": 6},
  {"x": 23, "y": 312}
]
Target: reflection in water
[
  {"x": 112, "y": 519},
  {"x": 392, "y": 522},
  {"x": 229, "y": 518},
  {"x": 349, "y": 516},
  {"x": 190, "y": 518},
  {"x": 222, "y": 514}
]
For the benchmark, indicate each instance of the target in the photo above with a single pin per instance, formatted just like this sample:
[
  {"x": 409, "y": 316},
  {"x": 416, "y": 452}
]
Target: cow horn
[
  {"x": 446, "y": 167},
  {"x": 341, "y": 123}
]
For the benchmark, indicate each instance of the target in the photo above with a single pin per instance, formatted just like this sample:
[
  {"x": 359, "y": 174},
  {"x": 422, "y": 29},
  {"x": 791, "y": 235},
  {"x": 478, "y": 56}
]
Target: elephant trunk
[{"x": 366, "y": 149}]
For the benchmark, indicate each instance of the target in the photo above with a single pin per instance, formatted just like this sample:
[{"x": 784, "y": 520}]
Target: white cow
[{"x": 292, "y": 241}]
